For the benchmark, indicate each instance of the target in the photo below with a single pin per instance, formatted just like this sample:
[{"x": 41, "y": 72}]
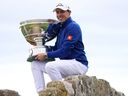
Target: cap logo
[
  {"x": 62, "y": 6},
  {"x": 59, "y": 5}
]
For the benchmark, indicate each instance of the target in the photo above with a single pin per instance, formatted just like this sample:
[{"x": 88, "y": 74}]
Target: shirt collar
[{"x": 65, "y": 23}]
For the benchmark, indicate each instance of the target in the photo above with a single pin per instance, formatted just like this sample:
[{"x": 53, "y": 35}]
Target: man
[{"x": 68, "y": 48}]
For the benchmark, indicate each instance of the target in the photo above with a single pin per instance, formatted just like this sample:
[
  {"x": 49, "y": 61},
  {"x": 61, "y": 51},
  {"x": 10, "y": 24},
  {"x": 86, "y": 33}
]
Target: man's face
[{"x": 62, "y": 15}]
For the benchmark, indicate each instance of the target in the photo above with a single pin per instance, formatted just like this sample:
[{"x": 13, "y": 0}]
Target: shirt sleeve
[{"x": 72, "y": 36}]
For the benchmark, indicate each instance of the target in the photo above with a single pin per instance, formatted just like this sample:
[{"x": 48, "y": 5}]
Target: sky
[{"x": 104, "y": 25}]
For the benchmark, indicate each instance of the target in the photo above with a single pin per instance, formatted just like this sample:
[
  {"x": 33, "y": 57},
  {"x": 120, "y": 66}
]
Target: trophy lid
[{"x": 34, "y": 27}]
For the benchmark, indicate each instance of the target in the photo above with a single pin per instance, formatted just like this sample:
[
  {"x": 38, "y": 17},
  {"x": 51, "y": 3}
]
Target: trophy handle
[{"x": 31, "y": 52}]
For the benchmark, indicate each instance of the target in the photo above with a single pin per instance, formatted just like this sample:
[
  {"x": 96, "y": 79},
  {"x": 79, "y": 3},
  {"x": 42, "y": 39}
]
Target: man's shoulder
[{"x": 73, "y": 24}]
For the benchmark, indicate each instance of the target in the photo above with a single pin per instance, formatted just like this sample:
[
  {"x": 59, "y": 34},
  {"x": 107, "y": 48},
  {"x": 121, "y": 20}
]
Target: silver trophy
[{"x": 33, "y": 31}]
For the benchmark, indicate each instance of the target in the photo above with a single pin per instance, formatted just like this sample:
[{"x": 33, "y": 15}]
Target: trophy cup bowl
[{"x": 33, "y": 30}]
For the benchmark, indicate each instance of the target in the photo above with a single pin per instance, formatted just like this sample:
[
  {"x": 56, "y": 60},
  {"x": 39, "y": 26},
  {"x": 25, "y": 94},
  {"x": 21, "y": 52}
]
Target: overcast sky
[{"x": 104, "y": 24}]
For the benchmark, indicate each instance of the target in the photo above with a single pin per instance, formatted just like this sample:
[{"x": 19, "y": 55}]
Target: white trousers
[{"x": 57, "y": 70}]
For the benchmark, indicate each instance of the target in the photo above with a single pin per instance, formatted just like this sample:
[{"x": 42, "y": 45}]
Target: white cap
[{"x": 62, "y": 7}]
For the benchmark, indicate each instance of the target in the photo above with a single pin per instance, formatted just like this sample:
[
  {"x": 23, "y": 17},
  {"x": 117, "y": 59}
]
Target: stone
[
  {"x": 80, "y": 85},
  {"x": 7, "y": 92}
]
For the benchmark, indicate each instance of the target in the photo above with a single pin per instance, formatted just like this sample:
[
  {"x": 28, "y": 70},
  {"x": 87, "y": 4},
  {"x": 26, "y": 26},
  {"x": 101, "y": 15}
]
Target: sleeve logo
[{"x": 69, "y": 37}]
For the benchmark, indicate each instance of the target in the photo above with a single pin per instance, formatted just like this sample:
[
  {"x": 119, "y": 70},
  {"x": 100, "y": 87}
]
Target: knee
[{"x": 49, "y": 67}]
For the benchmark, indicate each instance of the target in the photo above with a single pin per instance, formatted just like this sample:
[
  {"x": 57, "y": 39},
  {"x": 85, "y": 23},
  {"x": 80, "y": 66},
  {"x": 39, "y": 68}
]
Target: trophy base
[
  {"x": 34, "y": 51},
  {"x": 32, "y": 58}
]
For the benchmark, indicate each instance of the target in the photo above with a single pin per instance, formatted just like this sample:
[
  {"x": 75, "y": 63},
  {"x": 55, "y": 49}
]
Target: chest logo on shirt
[{"x": 69, "y": 37}]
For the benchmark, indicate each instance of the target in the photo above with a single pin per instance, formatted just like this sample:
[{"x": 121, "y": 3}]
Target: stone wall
[
  {"x": 7, "y": 92},
  {"x": 80, "y": 86}
]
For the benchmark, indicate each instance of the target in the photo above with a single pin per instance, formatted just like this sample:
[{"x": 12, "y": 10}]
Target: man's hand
[{"x": 41, "y": 56}]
